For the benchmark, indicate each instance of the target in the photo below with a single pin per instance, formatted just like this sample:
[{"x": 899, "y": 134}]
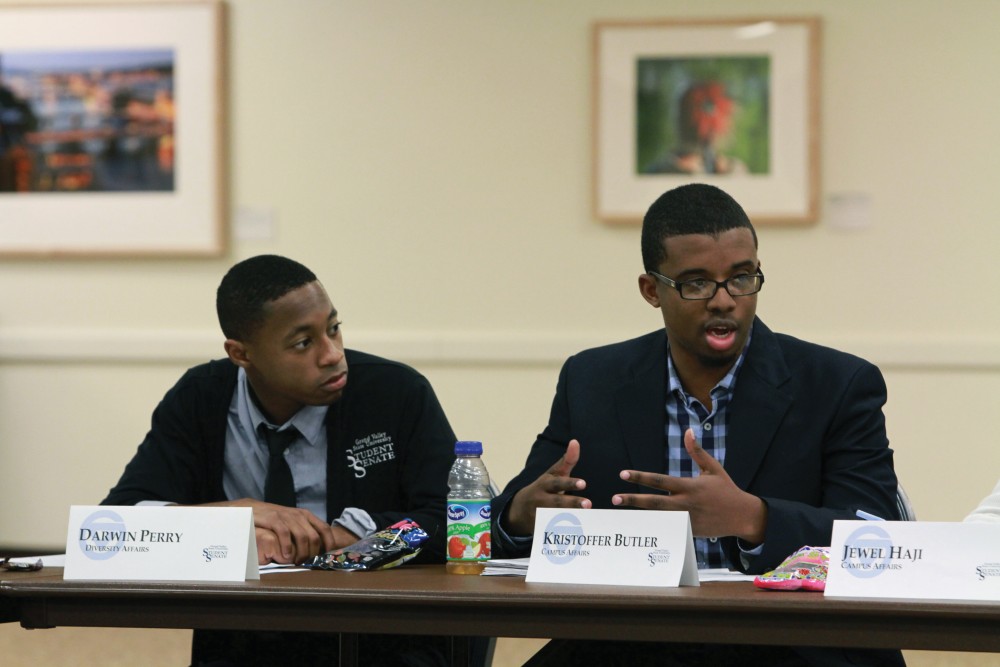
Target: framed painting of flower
[{"x": 724, "y": 101}]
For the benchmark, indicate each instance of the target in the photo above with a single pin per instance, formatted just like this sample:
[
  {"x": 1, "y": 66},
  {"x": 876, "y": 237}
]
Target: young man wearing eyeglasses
[{"x": 764, "y": 439}]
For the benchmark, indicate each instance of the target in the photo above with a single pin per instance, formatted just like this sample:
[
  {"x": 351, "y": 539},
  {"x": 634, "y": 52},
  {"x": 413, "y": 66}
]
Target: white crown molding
[{"x": 111, "y": 346}]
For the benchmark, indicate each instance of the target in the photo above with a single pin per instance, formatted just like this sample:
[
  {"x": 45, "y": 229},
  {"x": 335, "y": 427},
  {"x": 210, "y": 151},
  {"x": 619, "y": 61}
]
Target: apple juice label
[{"x": 469, "y": 529}]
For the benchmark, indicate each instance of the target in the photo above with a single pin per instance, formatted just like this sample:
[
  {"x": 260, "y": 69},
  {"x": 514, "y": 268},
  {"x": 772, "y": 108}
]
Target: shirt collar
[
  {"x": 308, "y": 420},
  {"x": 725, "y": 386}
]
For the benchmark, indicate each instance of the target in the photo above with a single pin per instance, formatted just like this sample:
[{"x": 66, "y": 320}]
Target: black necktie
[{"x": 278, "y": 486}]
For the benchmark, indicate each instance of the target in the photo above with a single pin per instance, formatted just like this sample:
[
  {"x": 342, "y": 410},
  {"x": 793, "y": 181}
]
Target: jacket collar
[
  {"x": 762, "y": 398},
  {"x": 641, "y": 403}
]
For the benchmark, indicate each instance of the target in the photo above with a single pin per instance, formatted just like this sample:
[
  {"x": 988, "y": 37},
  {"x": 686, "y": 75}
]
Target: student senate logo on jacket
[{"x": 369, "y": 451}]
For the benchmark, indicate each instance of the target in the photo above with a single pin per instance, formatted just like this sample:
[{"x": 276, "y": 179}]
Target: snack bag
[
  {"x": 804, "y": 570},
  {"x": 387, "y": 548}
]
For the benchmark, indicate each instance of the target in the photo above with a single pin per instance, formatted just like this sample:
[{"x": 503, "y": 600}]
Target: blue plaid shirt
[{"x": 709, "y": 426}]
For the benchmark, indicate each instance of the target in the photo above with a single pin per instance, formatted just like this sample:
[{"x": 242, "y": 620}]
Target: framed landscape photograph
[
  {"x": 730, "y": 102},
  {"x": 110, "y": 130}
]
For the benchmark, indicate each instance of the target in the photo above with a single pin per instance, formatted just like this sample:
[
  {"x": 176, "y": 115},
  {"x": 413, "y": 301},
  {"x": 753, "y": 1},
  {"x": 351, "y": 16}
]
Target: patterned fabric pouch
[
  {"x": 803, "y": 570},
  {"x": 390, "y": 547}
]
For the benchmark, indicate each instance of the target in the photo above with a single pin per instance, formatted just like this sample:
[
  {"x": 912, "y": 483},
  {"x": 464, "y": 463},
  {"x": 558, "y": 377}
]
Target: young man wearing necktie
[{"x": 326, "y": 444}]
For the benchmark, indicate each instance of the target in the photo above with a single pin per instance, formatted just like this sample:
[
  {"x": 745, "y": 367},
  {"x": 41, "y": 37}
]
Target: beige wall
[{"x": 431, "y": 162}]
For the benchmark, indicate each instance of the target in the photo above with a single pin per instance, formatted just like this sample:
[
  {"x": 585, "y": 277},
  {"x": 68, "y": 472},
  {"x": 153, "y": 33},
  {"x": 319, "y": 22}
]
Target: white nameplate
[
  {"x": 614, "y": 547},
  {"x": 915, "y": 559},
  {"x": 161, "y": 543}
]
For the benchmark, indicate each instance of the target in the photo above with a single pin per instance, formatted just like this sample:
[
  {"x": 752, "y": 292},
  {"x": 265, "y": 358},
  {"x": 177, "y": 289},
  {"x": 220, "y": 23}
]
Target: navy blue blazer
[{"x": 805, "y": 433}]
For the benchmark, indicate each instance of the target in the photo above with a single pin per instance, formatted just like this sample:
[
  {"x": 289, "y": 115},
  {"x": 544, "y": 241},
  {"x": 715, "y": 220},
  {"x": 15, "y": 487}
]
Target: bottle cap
[{"x": 468, "y": 448}]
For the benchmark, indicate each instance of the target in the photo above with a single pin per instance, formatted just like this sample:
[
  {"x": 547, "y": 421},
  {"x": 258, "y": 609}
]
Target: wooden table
[{"x": 427, "y": 600}]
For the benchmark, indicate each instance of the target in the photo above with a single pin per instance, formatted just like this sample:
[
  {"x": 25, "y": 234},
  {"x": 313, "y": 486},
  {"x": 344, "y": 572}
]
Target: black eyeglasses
[
  {"x": 701, "y": 289},
  {"x": 20, "y": 566}
]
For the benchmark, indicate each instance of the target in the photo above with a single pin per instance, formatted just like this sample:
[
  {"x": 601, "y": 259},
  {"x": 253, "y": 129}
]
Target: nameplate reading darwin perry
[{"x": 161, "y": 543}]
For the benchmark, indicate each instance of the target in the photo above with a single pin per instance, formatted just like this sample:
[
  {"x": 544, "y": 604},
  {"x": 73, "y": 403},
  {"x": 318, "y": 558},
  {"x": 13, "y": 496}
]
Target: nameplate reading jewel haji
[
  {"x": 615, "y": 547},
  {"x": 915, "y": 559},
  {"x": 145, "y": 543}
]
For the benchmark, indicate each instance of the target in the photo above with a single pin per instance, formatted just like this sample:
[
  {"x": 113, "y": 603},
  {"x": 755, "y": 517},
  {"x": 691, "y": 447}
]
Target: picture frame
[
  {"x": 733, "y": 102},
  {"x": 111, "y": 140}
]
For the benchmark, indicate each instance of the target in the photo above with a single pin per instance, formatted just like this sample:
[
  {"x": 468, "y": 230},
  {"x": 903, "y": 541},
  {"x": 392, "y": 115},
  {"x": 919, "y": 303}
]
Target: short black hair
[
  {"x": 252, "y": 283},
  {"x": 696, "y": 208}
]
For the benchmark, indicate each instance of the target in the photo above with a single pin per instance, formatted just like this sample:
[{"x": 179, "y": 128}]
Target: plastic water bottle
[{"x": 468, "y": 510}]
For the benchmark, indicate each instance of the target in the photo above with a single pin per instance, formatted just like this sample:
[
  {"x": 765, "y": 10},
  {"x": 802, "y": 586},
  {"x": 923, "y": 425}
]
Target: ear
[
  {"x": 647, "y": 287},
  {"x": 237, "y": 352}
]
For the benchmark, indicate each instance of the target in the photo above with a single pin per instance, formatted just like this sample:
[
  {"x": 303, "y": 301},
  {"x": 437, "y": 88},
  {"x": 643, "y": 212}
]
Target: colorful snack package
[
  {"x": 386, "y": 548},
  {"x": 804, "y": 570}
]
